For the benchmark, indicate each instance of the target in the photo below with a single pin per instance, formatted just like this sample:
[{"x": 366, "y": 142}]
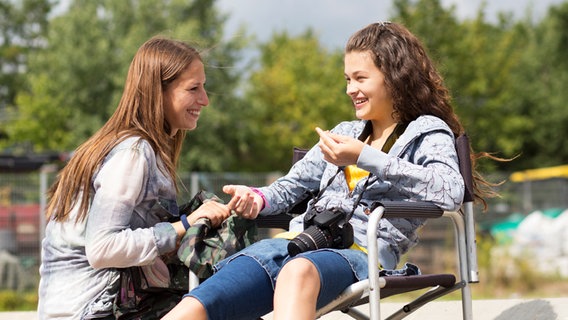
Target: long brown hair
[
  {"x": 140, "y": 113},
  {"x": 415, "y": 85}
]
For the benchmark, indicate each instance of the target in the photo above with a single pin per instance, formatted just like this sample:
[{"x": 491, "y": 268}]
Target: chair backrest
[
  {"x": 464, "y": 157},
  {"x": 463, "y": 149},
  {"x": 299, "y": 153}
]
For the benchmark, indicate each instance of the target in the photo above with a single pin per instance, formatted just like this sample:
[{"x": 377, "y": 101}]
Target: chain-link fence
[
  {"x": 22, "y": 224},
  {"x": 22, "y": 199},
  {"x": 20, "y": 230}
]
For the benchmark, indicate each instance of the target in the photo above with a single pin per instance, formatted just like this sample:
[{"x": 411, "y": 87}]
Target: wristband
[
  {"x": 183, "y": 220},
  {"x": 255, "y": 190}
]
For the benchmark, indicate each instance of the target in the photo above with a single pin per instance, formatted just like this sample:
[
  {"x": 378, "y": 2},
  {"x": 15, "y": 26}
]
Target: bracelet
[
  {"x": 255, "y": 190},
  {"x": 183, "y": 220}
]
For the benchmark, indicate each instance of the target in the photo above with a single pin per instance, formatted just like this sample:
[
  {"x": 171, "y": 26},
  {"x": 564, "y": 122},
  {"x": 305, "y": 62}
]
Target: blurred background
[{"x": 274, "y": 73}]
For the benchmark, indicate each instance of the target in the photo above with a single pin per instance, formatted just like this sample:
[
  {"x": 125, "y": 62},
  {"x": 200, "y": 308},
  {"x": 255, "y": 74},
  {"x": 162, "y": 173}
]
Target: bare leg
[
  {"x": 297, "y": 289},
  {"x": 189, "y": 308}
]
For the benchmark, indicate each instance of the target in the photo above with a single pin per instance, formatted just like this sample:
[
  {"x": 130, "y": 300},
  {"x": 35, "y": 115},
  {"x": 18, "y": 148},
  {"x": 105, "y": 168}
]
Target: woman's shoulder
[
  {"x": 134, "y": 144},
  {"x": 427, "y": 124}
]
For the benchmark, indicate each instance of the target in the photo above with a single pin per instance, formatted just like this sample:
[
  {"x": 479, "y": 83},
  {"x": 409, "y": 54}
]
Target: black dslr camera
[{"x": 327, "y": 229}]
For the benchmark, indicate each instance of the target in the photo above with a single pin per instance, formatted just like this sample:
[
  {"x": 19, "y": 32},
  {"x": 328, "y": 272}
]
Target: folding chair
[{"x": 376, "y": 287}]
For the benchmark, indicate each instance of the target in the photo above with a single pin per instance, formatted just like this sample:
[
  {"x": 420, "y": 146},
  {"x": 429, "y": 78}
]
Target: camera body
[{"x": 329, "y": 228}]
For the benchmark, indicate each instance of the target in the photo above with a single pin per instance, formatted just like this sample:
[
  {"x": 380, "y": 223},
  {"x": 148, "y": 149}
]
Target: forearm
[{"x": 432, "y": 176}]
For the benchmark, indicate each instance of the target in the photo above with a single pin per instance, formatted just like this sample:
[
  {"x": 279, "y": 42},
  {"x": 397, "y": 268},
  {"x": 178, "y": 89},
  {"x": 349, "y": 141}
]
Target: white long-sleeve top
[{"x": 130, "y": 200}]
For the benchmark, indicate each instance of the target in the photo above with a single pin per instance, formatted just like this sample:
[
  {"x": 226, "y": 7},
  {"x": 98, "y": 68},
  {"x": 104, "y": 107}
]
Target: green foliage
[
  {"x": 66, "y": 75},
  {"x": 39, "y": 119},
  {"x": 21, "y": 27},
  {"x": 298, "y": 86},
  {"x": 76, "y": 80},
  {"x": 18, "y": 301},
  {"x": 540, "y": 89}
]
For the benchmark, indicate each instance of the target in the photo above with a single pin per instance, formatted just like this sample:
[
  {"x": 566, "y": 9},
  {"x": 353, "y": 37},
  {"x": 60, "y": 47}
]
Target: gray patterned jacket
[{"x": 422, "y": 165}]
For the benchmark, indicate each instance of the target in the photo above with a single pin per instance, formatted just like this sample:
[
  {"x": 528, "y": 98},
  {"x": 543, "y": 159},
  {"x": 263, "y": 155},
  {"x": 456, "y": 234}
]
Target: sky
[{"x": 335, "y": 20}]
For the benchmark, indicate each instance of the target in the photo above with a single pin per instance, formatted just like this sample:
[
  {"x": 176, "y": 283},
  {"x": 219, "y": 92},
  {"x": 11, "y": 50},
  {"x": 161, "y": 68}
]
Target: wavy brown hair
[
  {"x": 140, "y": 113},
  {"x": 415, "y": 85}
]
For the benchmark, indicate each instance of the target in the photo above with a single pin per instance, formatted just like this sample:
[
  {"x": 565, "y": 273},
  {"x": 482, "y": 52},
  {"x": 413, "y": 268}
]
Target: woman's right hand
[
  {"x": 215, "y": 211},
  {"x": 339, "y": 150},
  {"x": 244, "y": 202}
]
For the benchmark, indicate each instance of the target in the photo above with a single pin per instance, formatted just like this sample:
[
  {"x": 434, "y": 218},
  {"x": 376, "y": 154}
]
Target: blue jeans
[{"x": 243, "y": 286}]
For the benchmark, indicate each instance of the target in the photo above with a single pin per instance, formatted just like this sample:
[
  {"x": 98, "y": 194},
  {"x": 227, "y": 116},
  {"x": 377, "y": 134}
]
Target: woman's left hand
[{"x": 244, "y": 201}]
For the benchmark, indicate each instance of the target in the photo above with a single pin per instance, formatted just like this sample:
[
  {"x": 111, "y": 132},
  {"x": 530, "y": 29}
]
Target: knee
[
  {"x": 187, "y": 308},
  {"x": 299, "y": 269}
]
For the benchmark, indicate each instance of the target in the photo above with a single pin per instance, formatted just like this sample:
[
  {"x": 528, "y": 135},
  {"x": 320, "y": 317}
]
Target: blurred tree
[
  {"x": 22, "y": 24},
  {"x": 76, "y": 80},
  {"x": 507, "y": 79},
  {"x": 541, "y": 79},
  {"x": 299, "y": 85},
  {"x": 476, "y": 59}
]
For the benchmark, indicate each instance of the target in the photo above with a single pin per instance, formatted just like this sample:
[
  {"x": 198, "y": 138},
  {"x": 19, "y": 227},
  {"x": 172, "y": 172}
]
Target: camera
[{"x": 329, "y": 228}]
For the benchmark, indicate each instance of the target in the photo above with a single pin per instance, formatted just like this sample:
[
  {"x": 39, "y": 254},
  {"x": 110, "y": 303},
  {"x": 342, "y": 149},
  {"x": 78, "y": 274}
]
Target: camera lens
[{"x": 312, "y": 238}]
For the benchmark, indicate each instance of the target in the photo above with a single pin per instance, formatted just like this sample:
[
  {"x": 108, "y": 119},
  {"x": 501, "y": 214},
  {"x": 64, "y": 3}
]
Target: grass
[
  {"x": 18, "y": 301},
  {"x": 530, "y": 287},
  {"x": 501, "y": 277}
]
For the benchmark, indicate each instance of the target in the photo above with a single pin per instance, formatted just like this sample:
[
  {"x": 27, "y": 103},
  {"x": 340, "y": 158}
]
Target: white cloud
[
  {"x": 332, "y": 20},
  {"x": 335, "y": 20}
]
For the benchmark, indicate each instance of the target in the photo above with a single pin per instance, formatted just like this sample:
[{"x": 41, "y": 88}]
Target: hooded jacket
[{"x": 422, "y": 165}]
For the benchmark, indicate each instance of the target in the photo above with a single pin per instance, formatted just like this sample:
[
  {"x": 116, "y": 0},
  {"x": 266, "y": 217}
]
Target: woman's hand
[
  {"x": 213, "y": 210},
  {"x": 216, "y": 212},
  {"x": 339, "y": 150},
  {"x": 244, "y": 202}
]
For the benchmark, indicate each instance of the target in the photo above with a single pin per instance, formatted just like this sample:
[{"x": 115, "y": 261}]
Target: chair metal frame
[{"x": 370, "y": 290}]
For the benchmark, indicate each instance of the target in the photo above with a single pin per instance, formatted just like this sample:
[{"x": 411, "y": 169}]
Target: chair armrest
[
  {"x": 281, "y": 221},
  {"x": 408, "y": 209},
  {"x": 393, "y": 209}
]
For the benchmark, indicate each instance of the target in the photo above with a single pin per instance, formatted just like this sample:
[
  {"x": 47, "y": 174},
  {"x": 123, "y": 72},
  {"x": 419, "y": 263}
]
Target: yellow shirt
[{"x": 353, "y": 174}]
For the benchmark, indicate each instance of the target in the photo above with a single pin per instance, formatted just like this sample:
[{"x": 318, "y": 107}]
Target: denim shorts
[
  {"x": 272, "y": 254},
  {"x": 243, "y": 284}
]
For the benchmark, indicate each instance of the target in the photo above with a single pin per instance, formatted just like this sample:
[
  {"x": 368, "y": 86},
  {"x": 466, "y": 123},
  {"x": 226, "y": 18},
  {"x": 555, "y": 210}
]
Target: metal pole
[
  {"x": 194, "y": 184},
  {"x": 44, "y": 172}
]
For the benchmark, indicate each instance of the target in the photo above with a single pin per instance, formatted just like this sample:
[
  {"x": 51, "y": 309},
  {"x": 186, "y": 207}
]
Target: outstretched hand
[
  {"x": 244, "y": 202},
  {"x": 339, "y": 150}
]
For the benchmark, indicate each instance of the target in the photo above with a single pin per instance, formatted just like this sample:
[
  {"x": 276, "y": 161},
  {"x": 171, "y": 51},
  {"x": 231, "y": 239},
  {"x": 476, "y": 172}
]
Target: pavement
[{"x": 504, "y": 309}]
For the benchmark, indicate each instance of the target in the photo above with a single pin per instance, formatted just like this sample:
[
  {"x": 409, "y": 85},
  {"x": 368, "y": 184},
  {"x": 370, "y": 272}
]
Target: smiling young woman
[{"x": 109, "y": 206}]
